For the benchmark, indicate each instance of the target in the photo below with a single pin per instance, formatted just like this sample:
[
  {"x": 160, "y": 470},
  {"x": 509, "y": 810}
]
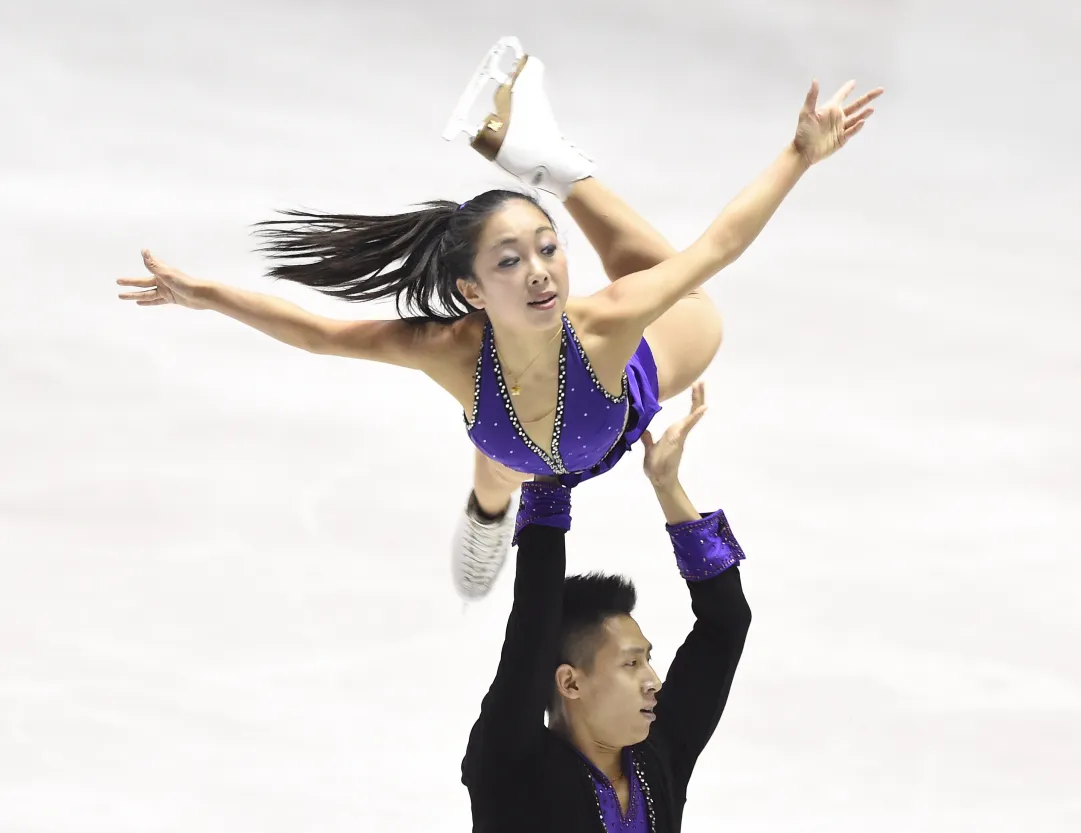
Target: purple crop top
[{"x": 589, "y": 421}]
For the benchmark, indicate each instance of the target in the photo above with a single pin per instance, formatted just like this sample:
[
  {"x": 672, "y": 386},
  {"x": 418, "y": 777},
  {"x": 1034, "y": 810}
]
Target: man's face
[{"x": 617, "y": 696}]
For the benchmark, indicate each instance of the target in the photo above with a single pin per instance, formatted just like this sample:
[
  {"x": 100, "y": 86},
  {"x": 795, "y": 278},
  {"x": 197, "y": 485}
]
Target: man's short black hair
[{"x": 587, "y": 601}]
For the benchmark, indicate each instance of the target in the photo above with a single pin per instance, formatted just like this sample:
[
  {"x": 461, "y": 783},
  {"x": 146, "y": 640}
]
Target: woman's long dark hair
[{"x": 415, "y": 257}]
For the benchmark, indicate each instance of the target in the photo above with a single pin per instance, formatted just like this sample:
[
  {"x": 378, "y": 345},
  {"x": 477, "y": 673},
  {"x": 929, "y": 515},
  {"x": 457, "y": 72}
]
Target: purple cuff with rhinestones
[
  {"x": 543, "y": 504},
  {"x": 704, "y": 548}
]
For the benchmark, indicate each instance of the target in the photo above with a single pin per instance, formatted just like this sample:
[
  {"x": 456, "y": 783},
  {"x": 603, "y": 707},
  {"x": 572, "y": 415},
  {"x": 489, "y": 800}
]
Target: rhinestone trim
[
  {"x": 477, "y": 376},
  {"x": 651, "y": 813},
  {"x": 615, "y": 400},
  {"x": 596, "y": 798},
  {"x": 553, "y": 460},
  {"x": 645, "y": 791}
]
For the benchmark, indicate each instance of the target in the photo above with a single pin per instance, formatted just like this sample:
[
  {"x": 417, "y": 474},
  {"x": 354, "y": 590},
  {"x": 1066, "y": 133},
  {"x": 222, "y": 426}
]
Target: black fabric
[{"x": 523, "y": 778}]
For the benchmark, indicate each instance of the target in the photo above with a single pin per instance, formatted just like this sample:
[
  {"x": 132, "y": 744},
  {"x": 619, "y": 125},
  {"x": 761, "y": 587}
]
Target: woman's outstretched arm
[
  {"x": 396, "y": 341},
  {"x": 636, "y": 301}
]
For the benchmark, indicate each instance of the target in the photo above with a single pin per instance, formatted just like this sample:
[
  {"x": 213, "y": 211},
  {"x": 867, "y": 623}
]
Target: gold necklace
[{"x": 516, "y": 389}]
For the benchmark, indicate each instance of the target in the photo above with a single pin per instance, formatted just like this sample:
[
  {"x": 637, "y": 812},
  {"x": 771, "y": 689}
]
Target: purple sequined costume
[{"x": 593, "y": 428}]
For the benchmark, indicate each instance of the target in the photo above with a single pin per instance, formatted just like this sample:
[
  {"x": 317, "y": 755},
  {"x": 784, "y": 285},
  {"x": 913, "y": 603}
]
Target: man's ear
[{"x": 567, "y": 678}]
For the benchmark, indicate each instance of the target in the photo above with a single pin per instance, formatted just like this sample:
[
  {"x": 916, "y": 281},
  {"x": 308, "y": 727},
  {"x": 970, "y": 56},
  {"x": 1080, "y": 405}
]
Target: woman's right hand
[{"x": 165, "y": 285}]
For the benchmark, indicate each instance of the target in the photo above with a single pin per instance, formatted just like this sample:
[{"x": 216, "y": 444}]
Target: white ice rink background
[{"x": 225, "y": 603}]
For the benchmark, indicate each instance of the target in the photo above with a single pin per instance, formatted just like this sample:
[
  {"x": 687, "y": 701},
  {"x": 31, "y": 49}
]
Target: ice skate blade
[{"x": 487, "y": 71}]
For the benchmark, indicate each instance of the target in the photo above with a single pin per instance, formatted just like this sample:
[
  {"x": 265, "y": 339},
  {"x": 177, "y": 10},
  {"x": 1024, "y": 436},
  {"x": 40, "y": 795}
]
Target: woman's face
[{"x": 520, "y": 269}]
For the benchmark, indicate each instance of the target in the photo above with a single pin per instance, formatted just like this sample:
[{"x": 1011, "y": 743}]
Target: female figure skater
[{"x": 549, "y": 384}]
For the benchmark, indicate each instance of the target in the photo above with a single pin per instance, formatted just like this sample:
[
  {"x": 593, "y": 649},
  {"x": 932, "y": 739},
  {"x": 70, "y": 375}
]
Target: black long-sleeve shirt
[{"x": 524, "y": 778}]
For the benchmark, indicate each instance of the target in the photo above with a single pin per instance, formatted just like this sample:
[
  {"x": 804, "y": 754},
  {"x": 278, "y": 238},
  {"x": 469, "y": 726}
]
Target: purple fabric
[
  {"x": 593, "y": 429},
  {"x": 636, "y": 819},
  {"x": 643, "y": 390},
  {"x": 544, "y": 504},
  {"x": 704, "y": 548}
]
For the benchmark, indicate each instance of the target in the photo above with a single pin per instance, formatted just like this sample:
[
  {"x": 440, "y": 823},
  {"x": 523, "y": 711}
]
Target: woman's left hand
[{"x": 822, "y": 132}]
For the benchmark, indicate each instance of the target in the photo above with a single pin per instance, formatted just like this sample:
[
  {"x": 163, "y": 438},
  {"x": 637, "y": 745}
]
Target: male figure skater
[{"x": 618, "y": 750}]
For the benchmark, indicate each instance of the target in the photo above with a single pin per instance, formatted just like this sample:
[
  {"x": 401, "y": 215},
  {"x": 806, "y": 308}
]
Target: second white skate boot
[{"x": 520, "y": 134}]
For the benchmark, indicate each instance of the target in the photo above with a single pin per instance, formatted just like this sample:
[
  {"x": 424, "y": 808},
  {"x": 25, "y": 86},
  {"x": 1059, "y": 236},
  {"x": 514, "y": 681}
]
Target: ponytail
[{"x": 416, "y": 257}]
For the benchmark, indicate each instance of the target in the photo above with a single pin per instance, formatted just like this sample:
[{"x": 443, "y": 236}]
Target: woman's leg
[
  {"x": 493, "y": 485},
  {"x": 686, "y": 338},
  {"x": 620, "y": 236},
  {"x": 485, "y": 528}
]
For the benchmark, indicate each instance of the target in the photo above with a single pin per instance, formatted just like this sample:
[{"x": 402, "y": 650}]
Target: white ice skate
[
  {"x": 480, "y": 550},
  {"x": 520, "y": 134}
]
